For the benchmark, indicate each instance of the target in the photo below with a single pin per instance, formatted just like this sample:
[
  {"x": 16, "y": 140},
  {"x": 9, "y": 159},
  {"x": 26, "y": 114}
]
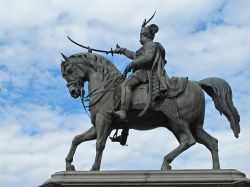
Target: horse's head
[
  {"x": 74, "y": 73},
  {"x": 82, "y": 67}
]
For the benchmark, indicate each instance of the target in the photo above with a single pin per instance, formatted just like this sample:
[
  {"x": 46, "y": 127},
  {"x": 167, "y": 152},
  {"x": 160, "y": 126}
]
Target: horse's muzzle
[{"x": 75, "y": 93}]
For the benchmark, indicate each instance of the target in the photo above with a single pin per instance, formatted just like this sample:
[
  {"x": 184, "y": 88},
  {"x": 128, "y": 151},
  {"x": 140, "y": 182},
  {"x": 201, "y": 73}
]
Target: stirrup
[
  {"x": 121, "y": 138},
  {"x": 116, "y": 139}
]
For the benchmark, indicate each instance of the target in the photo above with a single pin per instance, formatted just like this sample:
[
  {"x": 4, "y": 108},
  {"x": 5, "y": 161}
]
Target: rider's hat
[{"x": 149, "y": 30}]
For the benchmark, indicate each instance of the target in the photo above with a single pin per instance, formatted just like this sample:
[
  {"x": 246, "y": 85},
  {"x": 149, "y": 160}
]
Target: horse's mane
[{"x": 100, "y": 64}]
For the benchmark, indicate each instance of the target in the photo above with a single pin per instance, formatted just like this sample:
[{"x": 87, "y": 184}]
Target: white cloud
[
  {"x": 35, "y": 139},
  {"x": 38, "y": 117},
  {"x": 236, "y": 13}
]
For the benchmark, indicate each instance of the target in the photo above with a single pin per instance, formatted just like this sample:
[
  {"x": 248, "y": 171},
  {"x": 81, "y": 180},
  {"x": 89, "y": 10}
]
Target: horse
[{"x": 102, "y": 77}]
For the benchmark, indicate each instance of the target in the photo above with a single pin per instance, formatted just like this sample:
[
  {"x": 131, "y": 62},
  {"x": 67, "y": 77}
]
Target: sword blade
[{"x": 97, "y": 50}]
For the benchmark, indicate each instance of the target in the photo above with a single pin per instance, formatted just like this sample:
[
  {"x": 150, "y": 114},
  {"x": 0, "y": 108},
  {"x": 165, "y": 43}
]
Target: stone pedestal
[{"x": 175, "y": 178}]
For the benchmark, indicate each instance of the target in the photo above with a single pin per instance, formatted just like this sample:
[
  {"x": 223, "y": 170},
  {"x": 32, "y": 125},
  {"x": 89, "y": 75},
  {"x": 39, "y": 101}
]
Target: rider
[{"x": 146, "y": 60}]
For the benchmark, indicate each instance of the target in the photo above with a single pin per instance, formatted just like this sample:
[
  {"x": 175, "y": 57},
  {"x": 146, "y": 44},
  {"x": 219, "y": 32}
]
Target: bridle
[{"x": 79, "y": 83}]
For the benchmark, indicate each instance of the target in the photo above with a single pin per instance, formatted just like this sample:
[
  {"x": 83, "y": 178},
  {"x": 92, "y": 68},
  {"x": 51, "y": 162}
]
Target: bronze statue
[
  {"x": 146, "y": 100},
  {"x": 143, "y": 61},
  {"x": 148, "y": 66}
]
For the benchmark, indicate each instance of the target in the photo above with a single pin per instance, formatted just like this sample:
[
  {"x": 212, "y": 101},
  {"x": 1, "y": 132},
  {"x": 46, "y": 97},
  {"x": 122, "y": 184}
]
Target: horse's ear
[{"x": 65, "y": 57}]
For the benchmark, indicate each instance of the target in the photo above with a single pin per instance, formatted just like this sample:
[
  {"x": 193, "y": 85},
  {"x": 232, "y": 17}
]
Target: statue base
[{"x": 174, "y": 178}]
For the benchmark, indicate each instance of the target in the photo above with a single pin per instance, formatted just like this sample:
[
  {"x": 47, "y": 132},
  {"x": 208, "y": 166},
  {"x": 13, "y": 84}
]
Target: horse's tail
[{"x": 221, "y": 93}]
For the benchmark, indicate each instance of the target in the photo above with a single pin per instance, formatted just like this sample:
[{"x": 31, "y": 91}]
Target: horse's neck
[
  {"x": 95, "y": 82},
  {"x": 98, "y": 94}
]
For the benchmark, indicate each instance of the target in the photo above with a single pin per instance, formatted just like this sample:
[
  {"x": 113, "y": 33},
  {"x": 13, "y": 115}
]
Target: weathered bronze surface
[{"x": 147, "y": 99}]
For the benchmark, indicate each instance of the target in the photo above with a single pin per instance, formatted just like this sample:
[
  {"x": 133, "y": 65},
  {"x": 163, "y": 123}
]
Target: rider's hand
[
  {"x": 130, "y": 66},
  {"x": 119, "y": 50},
  {"x": 127, "y": 69}
]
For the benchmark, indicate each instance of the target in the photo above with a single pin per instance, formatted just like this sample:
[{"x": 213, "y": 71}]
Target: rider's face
[{"x": 143, "y": 38}]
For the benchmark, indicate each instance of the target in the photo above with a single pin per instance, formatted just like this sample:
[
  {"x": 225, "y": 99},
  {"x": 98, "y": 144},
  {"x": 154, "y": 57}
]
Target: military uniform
[{"x": 142, "y": 66}]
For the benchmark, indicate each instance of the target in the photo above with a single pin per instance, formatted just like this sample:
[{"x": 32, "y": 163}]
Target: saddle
[{"x": 141, "y": 95}]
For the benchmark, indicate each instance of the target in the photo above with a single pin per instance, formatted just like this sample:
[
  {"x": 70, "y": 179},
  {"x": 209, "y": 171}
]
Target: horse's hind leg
[
  {"x": 206, "y": 139},
  {"x": 180, "y": 128},
  {"x": 86, "y": 136}
]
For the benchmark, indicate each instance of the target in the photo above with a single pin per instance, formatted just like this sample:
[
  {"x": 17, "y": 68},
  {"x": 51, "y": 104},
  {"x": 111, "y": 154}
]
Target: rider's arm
[
  {"x": 128, "y": 53},
  {"x": 149, "y": 53}
]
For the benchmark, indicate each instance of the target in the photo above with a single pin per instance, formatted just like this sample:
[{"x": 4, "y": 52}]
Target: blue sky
[{"x": 39, "y": 119}]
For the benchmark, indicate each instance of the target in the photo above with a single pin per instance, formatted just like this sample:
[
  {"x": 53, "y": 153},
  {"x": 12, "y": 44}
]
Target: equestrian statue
[{"x": 147, "y": 99}]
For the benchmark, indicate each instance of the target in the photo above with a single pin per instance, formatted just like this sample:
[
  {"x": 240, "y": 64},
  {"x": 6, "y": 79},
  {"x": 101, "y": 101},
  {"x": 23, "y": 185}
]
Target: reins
[
  {"x": 87, "y": 98},
  {"x": 104, "y": 84}
]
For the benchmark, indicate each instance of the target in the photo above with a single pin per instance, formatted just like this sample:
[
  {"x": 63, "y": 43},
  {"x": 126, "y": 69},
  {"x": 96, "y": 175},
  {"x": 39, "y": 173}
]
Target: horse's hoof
[
  {"x": 94, "y": 169},
  {"x": 70, "y": 167},
  {"x": 164, "y": 168}
]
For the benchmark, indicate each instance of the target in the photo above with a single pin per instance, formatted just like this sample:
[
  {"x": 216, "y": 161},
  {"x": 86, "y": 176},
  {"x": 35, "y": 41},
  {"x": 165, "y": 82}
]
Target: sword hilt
[{"x": 89, "y": 50}]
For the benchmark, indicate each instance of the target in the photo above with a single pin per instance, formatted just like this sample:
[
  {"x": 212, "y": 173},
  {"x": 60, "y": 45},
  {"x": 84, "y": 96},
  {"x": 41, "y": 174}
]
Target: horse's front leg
[
  {"x": 103, "y": 130},
  {"x": 86, "y": 136}
]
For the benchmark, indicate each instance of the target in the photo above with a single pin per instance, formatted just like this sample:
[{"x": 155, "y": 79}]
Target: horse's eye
[{"x": 69, "y": 70}]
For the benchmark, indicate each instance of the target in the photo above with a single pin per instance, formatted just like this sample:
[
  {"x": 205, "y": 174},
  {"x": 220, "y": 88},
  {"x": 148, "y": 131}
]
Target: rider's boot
[
  {"x": 116, "y": 139},
  {"x": 122, "y": 114},
  {"x": 121, "y": 138}
]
